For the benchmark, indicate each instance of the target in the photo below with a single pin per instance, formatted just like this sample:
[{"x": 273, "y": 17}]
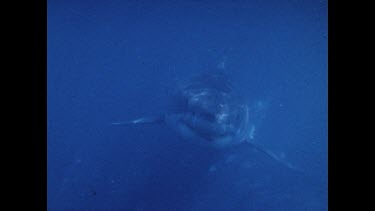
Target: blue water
[{"x": 119, "y": 60}]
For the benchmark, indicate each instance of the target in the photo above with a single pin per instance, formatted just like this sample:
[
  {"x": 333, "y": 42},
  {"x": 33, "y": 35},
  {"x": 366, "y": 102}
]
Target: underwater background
[{"x": 118, "y": 60}]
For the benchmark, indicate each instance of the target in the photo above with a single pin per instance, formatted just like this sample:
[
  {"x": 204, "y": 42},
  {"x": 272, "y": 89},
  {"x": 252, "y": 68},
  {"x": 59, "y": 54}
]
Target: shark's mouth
[{"x": 207, "y": 126}]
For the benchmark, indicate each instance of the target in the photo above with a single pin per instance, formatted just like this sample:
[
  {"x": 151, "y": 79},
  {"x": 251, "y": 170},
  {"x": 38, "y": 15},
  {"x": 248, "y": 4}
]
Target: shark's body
[{"x": 210, "y": 113}]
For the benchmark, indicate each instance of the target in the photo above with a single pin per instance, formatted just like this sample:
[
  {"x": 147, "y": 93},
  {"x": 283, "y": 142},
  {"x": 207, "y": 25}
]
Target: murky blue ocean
[{"x": 119, "y": 60}]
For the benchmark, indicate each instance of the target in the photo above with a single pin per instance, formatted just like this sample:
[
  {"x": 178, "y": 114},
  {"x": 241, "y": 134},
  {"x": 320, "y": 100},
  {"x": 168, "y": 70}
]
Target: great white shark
[{"x": 207, "y": 111}]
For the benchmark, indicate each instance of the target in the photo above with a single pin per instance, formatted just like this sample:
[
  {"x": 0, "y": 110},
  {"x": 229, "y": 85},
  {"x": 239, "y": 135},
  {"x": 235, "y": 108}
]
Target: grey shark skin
[{"x": 210, "y": 113}]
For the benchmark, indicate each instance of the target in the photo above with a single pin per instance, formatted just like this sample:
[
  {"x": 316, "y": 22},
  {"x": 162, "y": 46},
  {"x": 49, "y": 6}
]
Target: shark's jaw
[{"x": 202, "y": 132}]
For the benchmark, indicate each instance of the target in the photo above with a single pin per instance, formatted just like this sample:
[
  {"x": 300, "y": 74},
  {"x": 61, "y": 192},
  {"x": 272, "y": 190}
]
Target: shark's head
[{"x": 211, "y": 114}]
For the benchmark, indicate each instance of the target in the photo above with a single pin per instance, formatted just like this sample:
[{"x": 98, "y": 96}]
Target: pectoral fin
[
  {"x": 144, "y": 120},
  {"x": 273, "y": 156}
]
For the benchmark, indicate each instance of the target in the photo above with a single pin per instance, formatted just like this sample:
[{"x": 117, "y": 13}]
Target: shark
[{"x": 207, "y": 111}]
